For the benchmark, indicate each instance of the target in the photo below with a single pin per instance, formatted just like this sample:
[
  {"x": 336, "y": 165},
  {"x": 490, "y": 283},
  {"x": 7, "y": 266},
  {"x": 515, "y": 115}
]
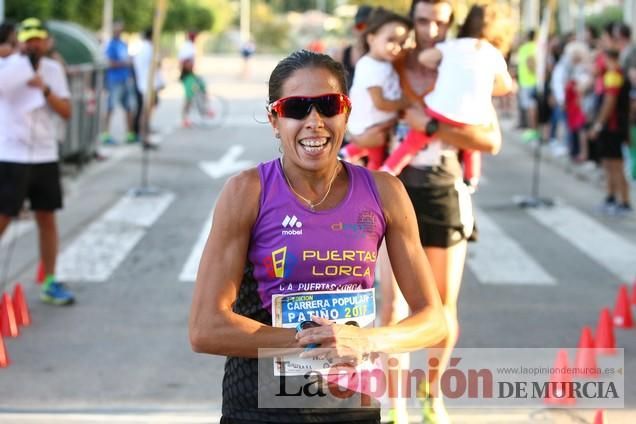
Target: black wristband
[{"x": 432, "y": 126}]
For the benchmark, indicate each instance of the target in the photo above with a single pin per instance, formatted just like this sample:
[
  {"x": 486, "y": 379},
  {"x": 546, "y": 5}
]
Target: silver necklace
[{"x": 311, "y": 205}]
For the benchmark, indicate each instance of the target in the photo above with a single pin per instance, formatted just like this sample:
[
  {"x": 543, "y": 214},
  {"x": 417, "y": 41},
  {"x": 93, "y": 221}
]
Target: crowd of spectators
[{"x": 586, "y": 108}]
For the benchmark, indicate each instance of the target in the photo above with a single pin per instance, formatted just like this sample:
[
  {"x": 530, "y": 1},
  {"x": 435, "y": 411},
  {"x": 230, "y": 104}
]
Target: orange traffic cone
[
  {"x": 9, "y": 326},
  {"x": 560, "y": 386},
  {"x": 40, "y": 275},
  {"x": 599, "y": 417},
  {"x": 604, "y": 337},
  {"x": 622, "y": 309},
  {"x": 20, "y": 307},
  {"x": 585, "y": 361},
  {"x": 4, "y": 355}
]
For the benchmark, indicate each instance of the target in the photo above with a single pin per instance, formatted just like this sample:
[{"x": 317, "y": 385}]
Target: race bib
[{"x": 341, "y": 307}]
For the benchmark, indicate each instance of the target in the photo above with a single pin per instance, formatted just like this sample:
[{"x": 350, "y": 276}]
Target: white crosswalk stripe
[
  {"x": 189, "y": 270},
  {"x": 603, "y": 246},
  {"x": 498, "y": 259},
  {"x": 99, "y": 250}
]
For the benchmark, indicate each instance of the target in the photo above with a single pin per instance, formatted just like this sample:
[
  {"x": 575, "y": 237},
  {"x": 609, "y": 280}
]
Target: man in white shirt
[
  {"x": 187, "y": 49},
  {"x": 34, "y": 95},
  {"x": 142, "y": 62}
]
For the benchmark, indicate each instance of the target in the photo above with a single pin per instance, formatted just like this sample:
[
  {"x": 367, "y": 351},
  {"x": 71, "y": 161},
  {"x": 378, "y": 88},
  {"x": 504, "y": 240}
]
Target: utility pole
[
  {"x": 157, "y": 25},
  {"x": 107, "y": 21},
  {"x": 245, "y": 21},
  {"x": 530, "y": 14},
  {"x": 564, "y": 10},
  {"x": 629, "y": 12},
  {"x": 580, "y": 20}
]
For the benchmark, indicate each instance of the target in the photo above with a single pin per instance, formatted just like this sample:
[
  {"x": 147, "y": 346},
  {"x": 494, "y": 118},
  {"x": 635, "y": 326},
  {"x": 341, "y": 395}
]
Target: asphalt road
[{"x": 121, "y": 354}]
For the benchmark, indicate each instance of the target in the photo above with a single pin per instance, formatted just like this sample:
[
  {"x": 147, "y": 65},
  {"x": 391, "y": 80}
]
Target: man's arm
[
  {"x": 480, "y": 138},
  {"x": 61, "y": 105},
  {"x": 15, "y": 72},
  {"x": 607, "y": 108}
]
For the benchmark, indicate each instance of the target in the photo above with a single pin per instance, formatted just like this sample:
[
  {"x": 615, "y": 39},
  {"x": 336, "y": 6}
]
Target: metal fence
[{"x": 80, "y": 138}]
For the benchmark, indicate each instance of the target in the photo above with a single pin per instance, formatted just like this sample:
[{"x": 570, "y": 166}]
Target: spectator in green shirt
[{"x": 527, "y": 78}]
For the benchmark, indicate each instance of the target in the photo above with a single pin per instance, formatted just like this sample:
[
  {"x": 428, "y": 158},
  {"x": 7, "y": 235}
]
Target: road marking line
[
  {"x": 498, "y": 259},
  {"x": 16, "y": 229},
  {"x": 190, "y": 268},
  {"x": 228, "y": 164},
  {"x": 99, "y": 250},
  {"x": 603, "y": 246}
]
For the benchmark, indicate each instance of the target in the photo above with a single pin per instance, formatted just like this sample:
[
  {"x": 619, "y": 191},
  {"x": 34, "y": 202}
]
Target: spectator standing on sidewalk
[
  {"x": 577, "y": 80},
  {"x": 610, "y": 131},
  {"x": 623, "y": 35},
  {"x": 627, "y": 50},
  {"x": 142, "y": 62},
  {"x": 29, "y": 166},
  {"x": 120, "y": 84},
  {"x": 247, "y": 51},
  {"x": 527, "y": 79}
]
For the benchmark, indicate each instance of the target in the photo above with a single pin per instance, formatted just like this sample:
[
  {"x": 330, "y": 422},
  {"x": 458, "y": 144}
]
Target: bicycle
[{"x": 209, "y": 110}]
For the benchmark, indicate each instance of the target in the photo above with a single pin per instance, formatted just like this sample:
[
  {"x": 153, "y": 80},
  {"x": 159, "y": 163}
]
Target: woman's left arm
[{"x": 426, "y": 325}]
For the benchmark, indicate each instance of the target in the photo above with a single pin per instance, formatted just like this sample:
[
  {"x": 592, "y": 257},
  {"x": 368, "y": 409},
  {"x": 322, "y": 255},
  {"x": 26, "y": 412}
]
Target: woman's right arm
[{"x": 214, "y": 327}]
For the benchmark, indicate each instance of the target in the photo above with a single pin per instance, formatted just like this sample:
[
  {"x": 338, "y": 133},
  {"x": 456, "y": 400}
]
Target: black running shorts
[
  {"x": 444, "y": 213},
  {"x": 610, "y": 144},
  {"x": 40, "y": 183}
]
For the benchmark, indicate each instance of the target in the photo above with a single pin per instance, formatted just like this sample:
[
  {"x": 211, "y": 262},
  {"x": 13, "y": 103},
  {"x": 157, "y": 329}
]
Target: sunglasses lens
[
  {"x": 298, "y": 107},
  {"x": 329, "y": 105},
  {"x": 294, "y": 107}
]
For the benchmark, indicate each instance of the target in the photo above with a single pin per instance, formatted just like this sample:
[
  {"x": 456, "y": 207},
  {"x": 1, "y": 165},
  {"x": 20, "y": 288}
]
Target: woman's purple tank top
[{"x": 294, "y": 249}]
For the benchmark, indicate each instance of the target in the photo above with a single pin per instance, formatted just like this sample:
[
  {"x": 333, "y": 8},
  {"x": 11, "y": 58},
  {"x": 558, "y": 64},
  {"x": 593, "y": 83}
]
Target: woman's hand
[{"x": 339, "y": 344}]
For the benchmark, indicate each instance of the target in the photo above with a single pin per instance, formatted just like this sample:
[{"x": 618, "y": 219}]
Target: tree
[
  {"x": 270, "y": 31},
  {"x": 136, "y": 15},
  {"x": 401, "y": 6},
  {"x": 188, "y": 15},
  {"x": 222, "y": 13},
  {"x": 301, "y": 5},
  {"x": 19, "y": 10}
]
